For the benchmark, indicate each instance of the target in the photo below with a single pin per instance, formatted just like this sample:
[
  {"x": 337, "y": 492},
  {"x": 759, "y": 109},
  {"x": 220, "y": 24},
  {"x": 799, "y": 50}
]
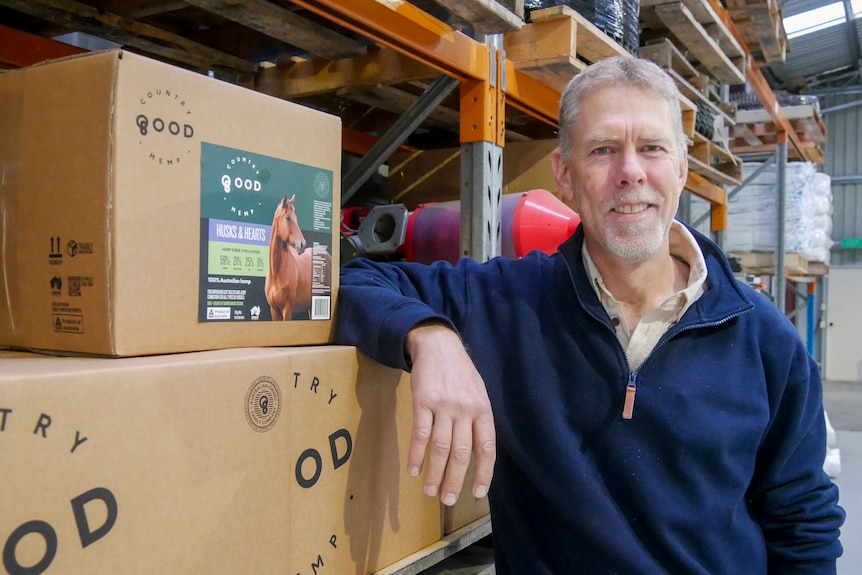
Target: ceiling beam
[
  {"x": 852, "y": 38},
  {"x": 77, "y": 16}
]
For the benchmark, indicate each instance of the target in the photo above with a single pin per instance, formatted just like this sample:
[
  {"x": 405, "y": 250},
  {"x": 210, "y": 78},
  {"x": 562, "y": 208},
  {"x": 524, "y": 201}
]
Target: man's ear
[
  {"x": 683, "y": 171},
  {"x": 561, "y": 175}
]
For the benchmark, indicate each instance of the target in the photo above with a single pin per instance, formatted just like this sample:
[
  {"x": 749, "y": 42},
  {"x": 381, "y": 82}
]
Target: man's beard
[{"x": 635, "y": 242}]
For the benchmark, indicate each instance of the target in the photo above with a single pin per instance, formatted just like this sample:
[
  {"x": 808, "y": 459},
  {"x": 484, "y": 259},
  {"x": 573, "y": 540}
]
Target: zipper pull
[{"x": 631, "y": 389}]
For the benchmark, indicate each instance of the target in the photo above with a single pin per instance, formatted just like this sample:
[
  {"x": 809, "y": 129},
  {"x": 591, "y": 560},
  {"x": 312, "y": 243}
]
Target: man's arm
[
  {"x": 405, "y": 316},
  {"x": 451, "y": 414},
  {"x": 796, "y": 503}
]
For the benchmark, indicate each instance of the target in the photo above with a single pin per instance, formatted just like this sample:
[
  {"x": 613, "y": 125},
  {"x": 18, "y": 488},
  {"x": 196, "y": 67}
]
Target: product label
[{"x": 266, "y": 238}]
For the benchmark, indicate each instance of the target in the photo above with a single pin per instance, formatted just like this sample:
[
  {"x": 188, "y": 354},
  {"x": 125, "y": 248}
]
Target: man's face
[{"x": 625, "y": 174}]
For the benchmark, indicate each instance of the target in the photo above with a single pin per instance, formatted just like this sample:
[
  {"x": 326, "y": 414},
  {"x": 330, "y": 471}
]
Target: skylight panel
[{"x": 818, "y": 18}]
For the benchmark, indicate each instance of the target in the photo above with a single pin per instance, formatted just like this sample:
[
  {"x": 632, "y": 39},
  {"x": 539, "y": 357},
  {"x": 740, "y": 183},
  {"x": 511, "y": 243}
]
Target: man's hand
[{"x": 451, "y": 415}]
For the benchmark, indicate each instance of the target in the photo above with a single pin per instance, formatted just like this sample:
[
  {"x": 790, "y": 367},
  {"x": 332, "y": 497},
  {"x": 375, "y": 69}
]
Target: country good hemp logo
[
  {"x": 263, "y": 404},
  {"x": 165, "y": 131},
  {"x": 243, "y": 182}
]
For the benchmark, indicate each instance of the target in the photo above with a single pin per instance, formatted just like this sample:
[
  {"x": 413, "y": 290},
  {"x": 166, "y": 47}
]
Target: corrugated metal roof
[{"x": 819, "y": 53}]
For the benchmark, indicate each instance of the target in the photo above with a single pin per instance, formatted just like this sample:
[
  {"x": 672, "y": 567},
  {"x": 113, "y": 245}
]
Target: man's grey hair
[{"x": 618, "y": 71}]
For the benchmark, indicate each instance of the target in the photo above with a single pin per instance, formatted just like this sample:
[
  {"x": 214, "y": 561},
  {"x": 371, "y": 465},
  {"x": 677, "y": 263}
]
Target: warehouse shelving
[{"x": 497, "y": 72}]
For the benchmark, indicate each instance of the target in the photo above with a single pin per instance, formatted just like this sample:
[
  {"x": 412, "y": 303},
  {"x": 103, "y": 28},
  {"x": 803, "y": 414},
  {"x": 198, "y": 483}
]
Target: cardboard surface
[
  {"x": 234, "y": 461},
  {"x": 137, "y": 204}
]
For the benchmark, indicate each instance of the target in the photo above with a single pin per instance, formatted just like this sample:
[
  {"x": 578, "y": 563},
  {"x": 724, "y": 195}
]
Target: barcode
[
  {"x": 74, "y": 286},
  {"x": 320, "y": 307}
]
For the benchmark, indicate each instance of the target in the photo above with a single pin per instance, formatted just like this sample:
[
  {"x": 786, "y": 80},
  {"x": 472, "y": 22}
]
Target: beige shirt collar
[{"x": 654, "y": 324}]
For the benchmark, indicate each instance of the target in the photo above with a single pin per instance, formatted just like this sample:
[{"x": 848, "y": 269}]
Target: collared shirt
[{"x": 640, "y": 343}]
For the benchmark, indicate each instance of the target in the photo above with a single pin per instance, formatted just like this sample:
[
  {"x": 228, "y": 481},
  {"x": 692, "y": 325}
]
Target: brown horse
[{"x": 288, "y": 283}]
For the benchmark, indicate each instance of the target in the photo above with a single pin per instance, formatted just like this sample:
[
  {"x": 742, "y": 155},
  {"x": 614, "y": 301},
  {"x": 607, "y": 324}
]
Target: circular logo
[
  {"x": 263, "y": 404},
  {"x": 321, "y": 185}
]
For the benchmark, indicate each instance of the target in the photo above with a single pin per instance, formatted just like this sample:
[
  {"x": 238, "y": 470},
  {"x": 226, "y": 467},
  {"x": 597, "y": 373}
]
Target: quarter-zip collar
[{"x": 722, "y": 297}]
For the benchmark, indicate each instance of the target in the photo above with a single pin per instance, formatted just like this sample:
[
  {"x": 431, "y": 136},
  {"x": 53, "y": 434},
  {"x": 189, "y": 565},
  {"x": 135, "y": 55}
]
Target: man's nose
[{"x": 630, "y": 168}]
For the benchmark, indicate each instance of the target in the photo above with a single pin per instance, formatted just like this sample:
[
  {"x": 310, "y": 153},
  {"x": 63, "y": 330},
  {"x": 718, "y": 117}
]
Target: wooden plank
[
  {"x": 281, "y": 24},
  {"x": 813, "y": 151},
  {"x": 818, "y": 269},
  {"x": 487, "y": 16},
  {"x": 666, "y": 55},
  {"x": 744, "y": 132},
  {"x": 558, "y": 44},
  {"x": 393, "y": 99},
  {"x": 804, "y": 118},
  {"x": 763, "y": 263},
  {"x": 756, "y": 133},
  {"x": 437, "y": 552},
  {"x": 762, "y": 28},
  {"x": 380, "y": 65},
  {"x": 137, "y": 9},
  {"x": 592, "y": 43},
  {"x": 677, "y": 17},
  {"x": 84, "y": 18},
  {"x": 714, "y": 162}
]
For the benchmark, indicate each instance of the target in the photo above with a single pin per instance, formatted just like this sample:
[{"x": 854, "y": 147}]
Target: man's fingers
[
  {"x": 485, "y": 448},
  {"x": 458, "y": 461},
  {"x": 423, "y": 420},
  {"x": 438, "y": 454}
]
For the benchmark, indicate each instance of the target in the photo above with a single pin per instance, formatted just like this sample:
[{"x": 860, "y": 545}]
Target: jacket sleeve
[
  {"x": 792, "y": 497},
  {"x": 378, "y": 304}
]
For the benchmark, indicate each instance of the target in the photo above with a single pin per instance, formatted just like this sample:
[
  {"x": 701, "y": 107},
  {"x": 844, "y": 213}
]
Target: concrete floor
[{"x": 843, "y": 403}]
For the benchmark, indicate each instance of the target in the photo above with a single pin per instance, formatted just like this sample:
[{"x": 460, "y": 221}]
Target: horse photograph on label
[{"x": 289, "y": 280}]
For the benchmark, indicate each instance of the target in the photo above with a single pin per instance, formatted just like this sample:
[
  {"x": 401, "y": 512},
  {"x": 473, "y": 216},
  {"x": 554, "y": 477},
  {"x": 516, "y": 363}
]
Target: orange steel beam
[
  {"x": 414, "y": 33},
  {"x": 410, "y": 31},
  {"x": 531, "y": 96},
  {"x": 360, "y": 143},
  {"x": 716, "y": 196},
  {"x": 758, "y": 82},
  {"x": 19, "y": 49}
]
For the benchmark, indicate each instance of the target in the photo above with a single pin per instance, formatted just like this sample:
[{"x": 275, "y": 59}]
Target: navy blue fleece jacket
[{"x": 719, "y": 471}]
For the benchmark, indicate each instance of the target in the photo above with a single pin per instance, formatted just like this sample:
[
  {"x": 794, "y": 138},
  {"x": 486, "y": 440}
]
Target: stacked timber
[
  {"x": 690, "y": 40},
  {"x": 762, "y": 28},
  {"x": 756, "y": 132}
]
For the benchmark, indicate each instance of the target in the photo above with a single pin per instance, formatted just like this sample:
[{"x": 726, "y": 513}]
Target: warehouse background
[{"x": 824, "y": 63}]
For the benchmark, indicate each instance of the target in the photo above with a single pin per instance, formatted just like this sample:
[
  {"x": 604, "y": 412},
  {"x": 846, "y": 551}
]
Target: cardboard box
[
  {"x": 138, "y": 202},
  {"x": 260, "y": 460}
]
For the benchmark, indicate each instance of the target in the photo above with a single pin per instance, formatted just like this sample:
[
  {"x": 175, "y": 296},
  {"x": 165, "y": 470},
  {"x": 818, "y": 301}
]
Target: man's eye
[
  {"x": 652, "y": 148},
  {"x": 602, "y": 150}
]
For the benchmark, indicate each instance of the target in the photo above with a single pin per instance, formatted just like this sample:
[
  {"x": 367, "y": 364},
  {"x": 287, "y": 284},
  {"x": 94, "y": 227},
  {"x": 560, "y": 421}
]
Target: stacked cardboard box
[
  {"x": 139, "y": 204},
  {"x": 255, "y": 460},
  {"x": 147, "y": 211}
]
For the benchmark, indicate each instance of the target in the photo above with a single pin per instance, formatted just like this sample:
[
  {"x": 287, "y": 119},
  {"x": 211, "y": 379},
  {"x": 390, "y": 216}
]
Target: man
[{"x": 650, "y": 413}]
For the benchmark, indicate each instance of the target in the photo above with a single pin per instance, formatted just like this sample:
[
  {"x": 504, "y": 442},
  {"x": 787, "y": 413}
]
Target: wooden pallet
[
  {"x": 762, "y": 28},
  {"x": 437, "y": 552},
  {"x": 692, "y": 84},
  {"x": 560, "y": 43},
  {"x": 695, "y": 27},
  {"x": 756, "y": 132},
  {"x": 714, "y": 162},
  {"x": 763, "y": 263},
  {"x": 486, "y": 16}
]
